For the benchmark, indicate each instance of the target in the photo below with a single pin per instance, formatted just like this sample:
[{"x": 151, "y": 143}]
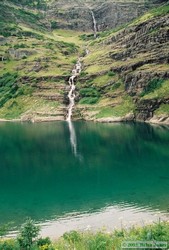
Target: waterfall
[
  {"x": 71, "y": 95},
  {"x": 87, "y": 51},
  {"x": 94, "y": 24}
]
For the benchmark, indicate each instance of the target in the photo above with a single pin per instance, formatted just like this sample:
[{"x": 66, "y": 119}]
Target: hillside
[
  {"x": 124, "y": 77},
  {"x": 129, "y": 71},
  {"x": 35, "y": 64}
]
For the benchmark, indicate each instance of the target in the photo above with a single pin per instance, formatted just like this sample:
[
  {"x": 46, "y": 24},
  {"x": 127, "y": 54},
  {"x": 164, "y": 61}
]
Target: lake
[{"x": 83, "y": 175}]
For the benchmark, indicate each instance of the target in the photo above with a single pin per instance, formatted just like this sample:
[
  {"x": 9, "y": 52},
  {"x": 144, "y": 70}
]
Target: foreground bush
[{"x": 88, "y": 240}]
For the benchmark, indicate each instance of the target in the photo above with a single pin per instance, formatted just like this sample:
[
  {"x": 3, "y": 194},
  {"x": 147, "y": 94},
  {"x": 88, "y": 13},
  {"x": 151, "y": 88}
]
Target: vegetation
[
  {"x": 28, "y": 234},
  {"x": 8, "y": 86},
  {"x": 162, "y": 110},
  {"x": 88, "y": 240},
  {"x": 34, "y": 51},
  {"x": 124, "y": 107},
  {"x": 160, "y": 90},
  {"x": 153, "y": 85}
]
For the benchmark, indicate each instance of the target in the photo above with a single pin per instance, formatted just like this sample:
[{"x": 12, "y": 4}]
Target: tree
[{"x": 28, "y": 234}]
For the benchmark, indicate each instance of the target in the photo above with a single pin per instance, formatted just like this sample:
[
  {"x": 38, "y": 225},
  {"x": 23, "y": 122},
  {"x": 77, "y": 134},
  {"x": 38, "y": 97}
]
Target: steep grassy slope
[
  {"x": 35, "y": 65},
  {"x": 129, "y": 72},
  {"x": 125, "y": 75}
]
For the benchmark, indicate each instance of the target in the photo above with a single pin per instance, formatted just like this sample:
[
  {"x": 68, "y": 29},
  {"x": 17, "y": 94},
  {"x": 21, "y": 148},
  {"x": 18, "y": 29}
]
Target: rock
[
  {"x": 20, "y": 53},
  {"x": 3, "y": 40},
  {"x": 160, "y": 119},
  {"x": 76, "y": 15},
  {"x": 128, "y": 117}
]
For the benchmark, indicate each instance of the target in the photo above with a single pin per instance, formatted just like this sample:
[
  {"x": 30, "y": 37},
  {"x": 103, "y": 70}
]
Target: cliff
[
  {"x": 129, "y": 70},
  {"x": 76, "y": 15},
  {"x": 124, "y": 76}
]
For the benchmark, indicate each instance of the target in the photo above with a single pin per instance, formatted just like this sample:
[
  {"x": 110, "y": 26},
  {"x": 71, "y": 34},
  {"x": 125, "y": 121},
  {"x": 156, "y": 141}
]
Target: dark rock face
[
  {"x": 148, "y": 41},
  {"x": 110, "y": 15},
  {"x": 76, "y": 15},
  {"x": 145, "y": 108},
  {"x": 148, "y": 44}
]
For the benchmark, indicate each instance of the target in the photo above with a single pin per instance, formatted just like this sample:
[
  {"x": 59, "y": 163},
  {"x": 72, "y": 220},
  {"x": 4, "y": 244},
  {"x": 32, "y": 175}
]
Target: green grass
[
  {"x": 123, "y": 108},
  {"x": 160, "y": 90},
  {"x": 26, "y": 104},
  {"x": 162, "y": 110},
  {"x": 158, "y": 11},
  {"x": 152, "y": 86},
  {"x": 89, "y": 100}
]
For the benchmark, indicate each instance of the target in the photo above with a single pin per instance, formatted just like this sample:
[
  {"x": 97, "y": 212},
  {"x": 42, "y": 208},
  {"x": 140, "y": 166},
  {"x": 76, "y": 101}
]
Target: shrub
[
  {"x": 54, "y": 25},
  {"x": 21, "y": 45},
  {"x": 116, "y": 85},
  {"x": 8, "y": 79},
  {"x": 28, "y": 234},
  {"x": 9, "y": 245},
  {"x": 83, "y": 73},
  {"x": 89, "y": 100},
  {"x": 111, "y": 73},
  {"x": 3, "y": 230},
  {"x": 72, "y": 237},
  {"x": 89, "y": 92},
  {"x": 151, "y": 86},
  {"x": 86, "y": 37},
  {"x": 8, "y": 87},
  {"x": 43, "y": 241}
]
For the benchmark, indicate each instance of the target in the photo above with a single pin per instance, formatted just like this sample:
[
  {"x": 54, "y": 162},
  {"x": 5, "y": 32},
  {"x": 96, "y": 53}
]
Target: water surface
[{"x": 100, "y": 174}]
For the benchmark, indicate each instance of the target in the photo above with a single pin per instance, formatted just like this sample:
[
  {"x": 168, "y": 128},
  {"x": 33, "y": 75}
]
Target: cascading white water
[
  {"x": 94, "y": 24},
  {"x": 71, "y": 95}
]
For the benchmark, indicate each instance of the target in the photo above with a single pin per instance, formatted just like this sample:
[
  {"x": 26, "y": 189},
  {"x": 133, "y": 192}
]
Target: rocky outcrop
[
  {"x": 112, "y": 14},
  {"x": 145, "y": 108},
  {"x": 160, "y": 119},
  {"x": 76, "y": 15},
  {"x": 20, "y": 53},
  {"x": 138, "y": 56}
]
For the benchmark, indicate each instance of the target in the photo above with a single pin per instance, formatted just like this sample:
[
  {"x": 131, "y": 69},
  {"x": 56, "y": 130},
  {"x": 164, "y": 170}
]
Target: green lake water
[{"x": 81, "y": 175}]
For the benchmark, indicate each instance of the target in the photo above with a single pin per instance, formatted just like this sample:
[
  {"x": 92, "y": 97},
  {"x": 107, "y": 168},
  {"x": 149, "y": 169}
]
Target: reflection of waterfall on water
[
  {"x": 94, "y": 24},
  {"x": 73, "y": 140}
]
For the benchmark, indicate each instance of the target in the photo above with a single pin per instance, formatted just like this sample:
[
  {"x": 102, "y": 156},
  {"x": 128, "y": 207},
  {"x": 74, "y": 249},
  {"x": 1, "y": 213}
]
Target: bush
[
  {"x": 89, "y": 100},
  {"x": 151, "y": 86},
  {"x": 83, "y": 73},
  {"x": 4, "y": 229},
  {"x": 9, "y": 245},
  {"x": 8, "y": 79},
  {"x": 28, "y": 234},
  {"x": 86, "y": 37},
  {"x": 116, "y": 85},
  {"x": 72, "y": 237},
  {"x": 21, "y": 45},
  {"x": 43, "y": 241},
  {"x": 111, "y": 73},
  {"x": 89, "y": 92},
  {"x": 8, "y": 87},
  {"x": 54, "y": 25}
]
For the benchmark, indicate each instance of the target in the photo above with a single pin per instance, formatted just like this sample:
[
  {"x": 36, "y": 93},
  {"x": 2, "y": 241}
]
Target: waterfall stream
[
  {"x": 71, "y": 95},
  {"x": 94, "y": 24}
]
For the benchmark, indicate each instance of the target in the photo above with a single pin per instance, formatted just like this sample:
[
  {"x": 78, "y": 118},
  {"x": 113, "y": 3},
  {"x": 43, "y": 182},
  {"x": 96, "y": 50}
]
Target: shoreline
[{"x": 156, "y": 120}]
